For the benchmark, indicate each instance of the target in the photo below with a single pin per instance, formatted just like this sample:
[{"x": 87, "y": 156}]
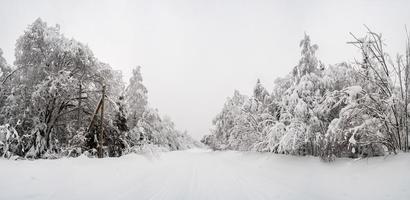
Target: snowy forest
[
  {"x": 204, "y": 100},
  {"x": 351, "y": 109},
  {"x": 57, "y": 99}
]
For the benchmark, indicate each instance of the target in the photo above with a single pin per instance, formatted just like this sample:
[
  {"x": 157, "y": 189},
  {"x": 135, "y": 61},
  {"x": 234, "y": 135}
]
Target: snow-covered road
[{"x": 203, "y": 174}]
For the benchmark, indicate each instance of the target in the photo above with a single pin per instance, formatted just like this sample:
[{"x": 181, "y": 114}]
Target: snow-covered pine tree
[{"x": 136, "y": 98}]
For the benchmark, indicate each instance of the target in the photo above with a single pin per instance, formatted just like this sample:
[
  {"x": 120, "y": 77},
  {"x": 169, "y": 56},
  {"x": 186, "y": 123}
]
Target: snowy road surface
[{"x": 202, "y": 174}]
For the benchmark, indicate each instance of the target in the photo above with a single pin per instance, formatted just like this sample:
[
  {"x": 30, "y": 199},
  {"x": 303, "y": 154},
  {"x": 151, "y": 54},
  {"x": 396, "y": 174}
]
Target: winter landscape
[{"x": 204, "y": 100}]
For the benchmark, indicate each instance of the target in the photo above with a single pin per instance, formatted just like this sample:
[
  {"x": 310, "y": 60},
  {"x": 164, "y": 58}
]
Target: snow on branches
[
  {"x": 49, "y": 98},
  {"x": 342, "y": 110}
]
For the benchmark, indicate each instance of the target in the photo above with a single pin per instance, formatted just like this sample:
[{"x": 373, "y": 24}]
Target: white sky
[{"x": 195, "y": 53}]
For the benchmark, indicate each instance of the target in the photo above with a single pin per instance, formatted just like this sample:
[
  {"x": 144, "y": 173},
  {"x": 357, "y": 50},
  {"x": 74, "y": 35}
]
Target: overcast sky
[{"x": 195, "y": 53}]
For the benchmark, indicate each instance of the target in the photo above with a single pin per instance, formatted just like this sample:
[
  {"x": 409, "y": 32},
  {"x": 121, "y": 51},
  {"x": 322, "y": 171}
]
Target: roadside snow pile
[{"x": 202, "y": 174}]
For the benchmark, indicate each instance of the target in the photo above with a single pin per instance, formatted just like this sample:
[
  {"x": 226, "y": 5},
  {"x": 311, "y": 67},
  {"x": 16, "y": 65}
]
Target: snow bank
[{"x": 203, "y": 174}]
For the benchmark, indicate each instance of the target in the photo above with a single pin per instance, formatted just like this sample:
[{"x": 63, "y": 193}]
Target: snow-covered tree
[
  {"x": 47, "y": 64},
  {"x": 225, "y": 121},
  {"x": 5, "y": 89},
  {"x": 135, "y": 98},
  {"x": 5, "y": 69},
  {"x": 308, "y": 63}
]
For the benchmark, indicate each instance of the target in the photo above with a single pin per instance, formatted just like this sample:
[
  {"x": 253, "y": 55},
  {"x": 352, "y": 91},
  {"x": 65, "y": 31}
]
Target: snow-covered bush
[{"x": 9, "y": 141}]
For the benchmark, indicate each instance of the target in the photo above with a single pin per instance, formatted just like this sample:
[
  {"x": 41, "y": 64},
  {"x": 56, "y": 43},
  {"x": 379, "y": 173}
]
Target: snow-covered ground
[{"x": 203, "y": 174}]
